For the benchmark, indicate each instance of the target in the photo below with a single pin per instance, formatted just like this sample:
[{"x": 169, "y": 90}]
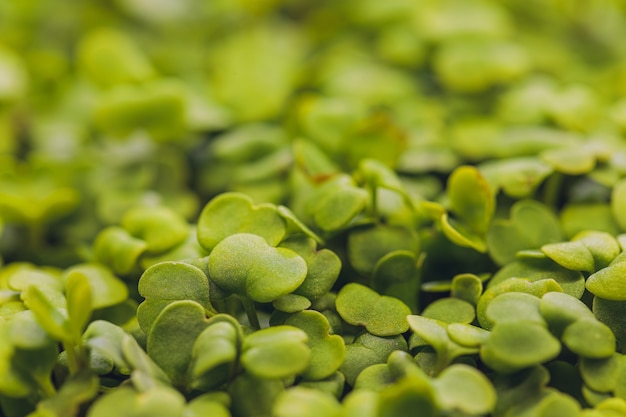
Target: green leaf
[
  {"x": 254, "y": 396},
  {"x": 518, "y": 177},
  {"x": 465, "y": 389},
  {"x": 515, "y": 345},
  {"x": 381, "y": 315},
  {"x": 106, "y": 289},
  {"x": 339, "y": 206},
  {"x": 514, "y": 306},
  {"x": 407, "y": 395},
  {"x": 116, "y": 248},
  {"x": 570, "y": 255},
  {"x": 531, "y": 225},
  {"x": 536, "y": 288},
  {"x": 79, "y": 302},
  {"x": 246, "y": 265},
  {"x": 327, "y": 350},
  {"x": 232, "y": 213},
  {"x": 108, "y": 57},
  {"x": 179, "y": 324},
  {"x": 560, "y": 310},
  {"x": 157, "y": 107},
  {"x": 167, "y": 282},
  {"x": 75, "y": 391},
  {"x": 612, "y": 313},
  {"x": 214, "y": 354},
  {"x": 435, "y": 334},
  {"x": 367, "y": 350},
  {"x": 601, "y": 375},
  {"x": 618, "y": 203},
  {"x": 54, "y": 322},
  {"x": 368, "y": 245},
  {"x": 471, "y": 199},
  {"x": 589, "y": 338},
  {"x": 323, "y": 267},
  {"x": 160, "y": 227},
  {"x": 450, "y": 310},
  {"x": 305, "y": 402},
  {"x": 125, "y": 401},
  {"x": 608, "y": 283},
  {"x": 276, "y": 352},
  {"x": 467, "y": 287}
]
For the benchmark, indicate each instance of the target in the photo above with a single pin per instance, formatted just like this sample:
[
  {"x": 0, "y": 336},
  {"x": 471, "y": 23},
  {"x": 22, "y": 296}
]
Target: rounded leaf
[
  {"x": 305, "y": 402},
  {"x": 231, "y": 213},
  {"x": 515, "y": 345},
  {"x": 276, "y": 352},
  {"x": 327, "y": 350},
  {"x": 246, "y": 265},
  {"x": 466, "y": 389},
  {"x": 106, "y": 288},
  {"x": 609, "y": 283},
  {"x": 589, "y": 338},
  {"x": 381, "y": 315}
]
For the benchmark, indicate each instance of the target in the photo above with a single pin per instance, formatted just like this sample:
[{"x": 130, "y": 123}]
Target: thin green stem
[
  {"x": 552, "y": 189},
  {"x": 248, "y": 305},
  {"x": 72, "y": 359},
  {"x": 46, "y": 386}
]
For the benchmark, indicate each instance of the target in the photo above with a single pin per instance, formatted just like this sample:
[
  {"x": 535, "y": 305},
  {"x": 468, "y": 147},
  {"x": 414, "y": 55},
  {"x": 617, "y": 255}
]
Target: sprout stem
[{"x": 248, "y": 305}]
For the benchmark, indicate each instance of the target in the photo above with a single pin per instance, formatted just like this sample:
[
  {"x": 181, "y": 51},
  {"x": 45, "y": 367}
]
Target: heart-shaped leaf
[
  {"x": 515, "y": 345},
  {"x": 160, "y": 227},
  {"x": 178, "y": 324},
  {"x": 381, "y": 315},
  {"x": 323, "y": 267},
  {"x": 531, "y": 225},
  {"x": 246, "y": 265},
  {"x": 603, "y": 246},
  {"x": 232, "y": 213},
  {"x": 167, "y": 282},
  {"x": 327, "y": 350},
  {"x": 276, "y": 352}
]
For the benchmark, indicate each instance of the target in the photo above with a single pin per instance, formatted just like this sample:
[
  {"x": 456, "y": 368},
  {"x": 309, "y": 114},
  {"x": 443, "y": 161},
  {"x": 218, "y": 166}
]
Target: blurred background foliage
[{"x": 107, "y": 105}]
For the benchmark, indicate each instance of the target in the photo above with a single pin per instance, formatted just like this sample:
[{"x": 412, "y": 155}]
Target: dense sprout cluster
[{"x": 279, "y": 208}]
